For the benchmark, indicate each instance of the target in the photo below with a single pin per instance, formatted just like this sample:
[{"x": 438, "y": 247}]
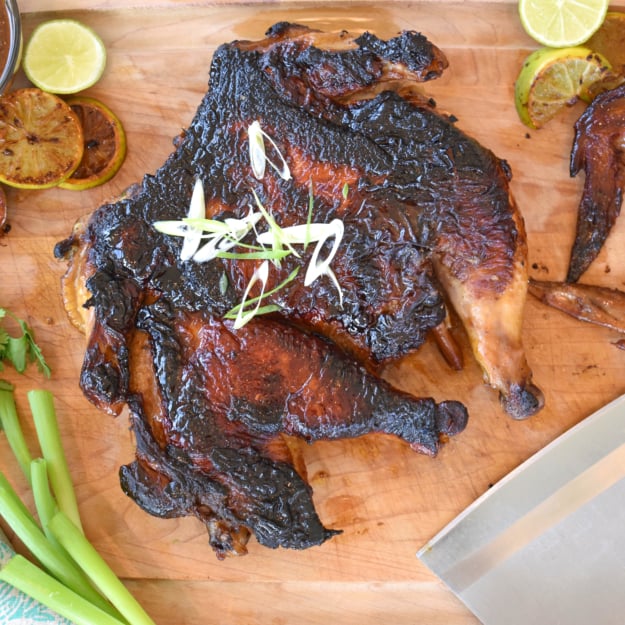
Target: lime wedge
[
  {"x": 562, "y": 23},
  {"x": 64, "y": 56},
  {"x": 553, "y": 78}
]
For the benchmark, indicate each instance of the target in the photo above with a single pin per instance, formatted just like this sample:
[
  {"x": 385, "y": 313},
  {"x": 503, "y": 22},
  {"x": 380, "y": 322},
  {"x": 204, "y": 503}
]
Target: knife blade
[{"x": 546, "y": 544}]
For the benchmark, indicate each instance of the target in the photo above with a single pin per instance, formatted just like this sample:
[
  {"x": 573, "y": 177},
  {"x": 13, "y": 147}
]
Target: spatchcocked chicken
[{"x": 318, "y": 185}]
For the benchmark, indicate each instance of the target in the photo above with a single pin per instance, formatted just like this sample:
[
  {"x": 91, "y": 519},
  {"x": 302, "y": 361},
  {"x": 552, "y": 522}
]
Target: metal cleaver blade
[{"x": 546, "y": 544}]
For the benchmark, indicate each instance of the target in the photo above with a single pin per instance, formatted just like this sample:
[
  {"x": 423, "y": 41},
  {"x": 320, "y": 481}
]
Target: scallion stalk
[
  {"x": 44, "y": 501},
  {"x": 6, "y": 485},
  {"x": 46, "y": 509},
  {"x": 48, "y": 591},
  {"x": 44, "y": 417},
  {"x": 98, "y": 570},
  {"x": 12, "y": 429},
  {"x": 55, "y": 560}
]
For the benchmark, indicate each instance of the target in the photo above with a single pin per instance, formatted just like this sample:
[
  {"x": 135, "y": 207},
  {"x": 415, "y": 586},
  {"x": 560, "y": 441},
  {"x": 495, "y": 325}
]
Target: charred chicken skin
[
  {"x": 426, "y": 210},
  {"x": 598, "y": 149}
]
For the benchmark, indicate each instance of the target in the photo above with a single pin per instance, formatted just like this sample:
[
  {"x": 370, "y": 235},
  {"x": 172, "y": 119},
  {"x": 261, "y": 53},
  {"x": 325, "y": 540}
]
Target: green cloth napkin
[{"x": 16, "y": 608}]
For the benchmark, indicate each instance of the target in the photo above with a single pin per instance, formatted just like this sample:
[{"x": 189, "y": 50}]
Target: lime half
[
  {"x": 64, "y": 56},
  {"x": 562, "y": 23}
]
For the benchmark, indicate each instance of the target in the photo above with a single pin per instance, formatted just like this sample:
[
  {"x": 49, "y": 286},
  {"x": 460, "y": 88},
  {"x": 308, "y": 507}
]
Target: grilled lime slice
[
  {"x": 104, "y": 144},
  {"x": 553, "y": 78},
  {"x": 41, "y": 139}
]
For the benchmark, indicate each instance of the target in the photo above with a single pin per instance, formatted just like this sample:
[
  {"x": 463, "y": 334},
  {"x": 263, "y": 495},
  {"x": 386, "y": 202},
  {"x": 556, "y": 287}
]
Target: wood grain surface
[{"x": 387, "y": 500}]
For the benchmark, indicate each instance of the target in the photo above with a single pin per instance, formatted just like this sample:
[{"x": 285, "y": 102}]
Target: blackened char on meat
[
  {"x": 598, "y": 149},
  {"x": 427, "y": 208}
]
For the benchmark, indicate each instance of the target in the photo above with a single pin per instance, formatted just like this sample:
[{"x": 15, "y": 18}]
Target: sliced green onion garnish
[
  {"x": 234, "y": 312},
  {"x": 274, "y": 235},
  {"x": 189, "y": 227},
  {"x": 315, "y": 268},
  {"x": 257, "y": 149},
  {"x": 258, "y": 157},
  {"x": 258, "y": 255},
  {"x": 264, "y": 310},
  {"x": 261, "y": 275},
  {"x": 298, "y": 235},
  {"x": 197, "y": 209},
  {"x": 181, "y": 227},
  {"x": 226, "y": 236},
  {"x": 173, "y": 228},
  {"x": 235, "y": 228},
  {"x": 222, "y": 236},
  {"x": 320, "y": 233}
]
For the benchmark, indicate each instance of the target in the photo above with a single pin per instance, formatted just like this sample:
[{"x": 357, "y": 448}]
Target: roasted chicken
[{"x": 428, "y": 220}]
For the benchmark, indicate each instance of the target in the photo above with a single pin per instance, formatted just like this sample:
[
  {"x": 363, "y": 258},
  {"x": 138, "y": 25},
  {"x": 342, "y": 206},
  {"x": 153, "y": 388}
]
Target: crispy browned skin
[
  {"x": 595, "y": 304},
  {"x": 225, "y": 399},
  {"x": 210, "y": 405},
  {"x": 427, "y": 206},
  {"x": 598, "y": 149},
  {"x": 451, "y": 196}
]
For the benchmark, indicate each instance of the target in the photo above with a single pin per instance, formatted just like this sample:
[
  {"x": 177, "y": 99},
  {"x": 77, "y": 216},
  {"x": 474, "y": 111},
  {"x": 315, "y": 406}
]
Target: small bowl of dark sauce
[{"x": 10, "y": 42}]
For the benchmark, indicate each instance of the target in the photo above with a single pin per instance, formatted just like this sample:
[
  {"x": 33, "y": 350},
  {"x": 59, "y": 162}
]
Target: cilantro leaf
[{"x": 20, "y": 350}]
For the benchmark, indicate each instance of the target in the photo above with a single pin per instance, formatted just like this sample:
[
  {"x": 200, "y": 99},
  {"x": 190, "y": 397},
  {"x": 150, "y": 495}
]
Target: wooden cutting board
[{"x": 387, "y": 500}]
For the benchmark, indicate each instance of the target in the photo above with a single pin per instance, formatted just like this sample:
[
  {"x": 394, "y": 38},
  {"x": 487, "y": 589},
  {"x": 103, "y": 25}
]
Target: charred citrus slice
[
  {"x": 41, "y": 139},
  {"x": 104, "y": 144},
  {"x": 553, "y": 78}
]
